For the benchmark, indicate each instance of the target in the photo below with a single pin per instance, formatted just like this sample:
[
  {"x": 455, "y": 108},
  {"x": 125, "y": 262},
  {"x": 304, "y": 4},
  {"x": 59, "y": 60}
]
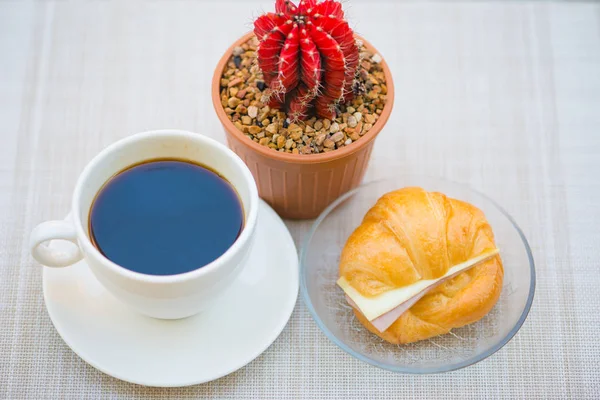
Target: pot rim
[{"x": 299, "y": 158}]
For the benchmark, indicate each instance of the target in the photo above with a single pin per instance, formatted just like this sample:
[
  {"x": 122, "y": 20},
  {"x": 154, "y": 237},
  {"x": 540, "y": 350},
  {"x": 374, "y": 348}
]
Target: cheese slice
[{"x": 373, "y": 307}]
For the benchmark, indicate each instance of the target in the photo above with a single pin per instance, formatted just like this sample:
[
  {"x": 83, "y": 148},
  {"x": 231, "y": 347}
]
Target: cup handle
[{"x": 53, "y": 257}]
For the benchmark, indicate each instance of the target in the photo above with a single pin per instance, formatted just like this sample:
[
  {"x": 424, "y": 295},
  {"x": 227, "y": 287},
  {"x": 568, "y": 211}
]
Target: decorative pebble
[
  {"x": 359, "y": 128},
  {"x": 254, "y": 130},
  {"x": 272, "y": 129},
  {"x": 336, "y": 137},
  {"x": 280, "y": 142},
  {"x": 296, "y": 135},
  {"x": 293, "y": 128},
  {"x": 363, "y": 75},
  {"x": 238, "y": 51},
  {"x": 233, "y": 102},
  {"x": 246, "y": 120},
  {"x": 234, "y": 82},
  {"x": 241, "y": 94},
  {"x": 348, "y": 141},
  {"x": 356, "y": 115},
  {"x": 335, "y": 127},
  {"x": 305, "y": 150},
  {"x": 352, "y": 122},
  {"x": 376, "y": 58},
  {"x": 237, "y": 60},
  {"x": 252, "y": 111},
  {"x": 320, "y": 139}
]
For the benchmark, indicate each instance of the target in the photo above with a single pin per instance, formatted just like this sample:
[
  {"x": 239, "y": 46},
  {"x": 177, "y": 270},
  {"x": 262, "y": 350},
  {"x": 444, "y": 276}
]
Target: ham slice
[{"x": 384, "y": 321}]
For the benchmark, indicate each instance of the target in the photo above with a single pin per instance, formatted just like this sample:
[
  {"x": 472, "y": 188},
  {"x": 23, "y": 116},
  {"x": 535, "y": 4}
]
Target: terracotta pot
[{"x": 300, "y": 186}]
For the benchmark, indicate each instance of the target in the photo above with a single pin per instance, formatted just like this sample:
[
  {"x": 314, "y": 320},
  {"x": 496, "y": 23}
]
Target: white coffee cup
[{"x": 159, "y": 296}]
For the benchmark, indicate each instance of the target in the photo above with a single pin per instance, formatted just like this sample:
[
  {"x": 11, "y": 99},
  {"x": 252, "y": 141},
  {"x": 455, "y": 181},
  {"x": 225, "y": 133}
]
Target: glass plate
[{"x": 461, "y": 347}]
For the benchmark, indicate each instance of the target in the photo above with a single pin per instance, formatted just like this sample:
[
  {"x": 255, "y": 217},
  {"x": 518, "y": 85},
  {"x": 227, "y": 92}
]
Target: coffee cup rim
[{"x": 86, "y": 243}]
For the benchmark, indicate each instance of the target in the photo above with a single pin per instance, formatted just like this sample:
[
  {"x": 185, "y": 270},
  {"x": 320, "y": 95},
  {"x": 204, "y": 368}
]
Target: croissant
[{"x": 421, "y": 242}]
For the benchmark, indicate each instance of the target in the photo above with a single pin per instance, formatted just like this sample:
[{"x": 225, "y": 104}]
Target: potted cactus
[{"x": 301, "y": 100}]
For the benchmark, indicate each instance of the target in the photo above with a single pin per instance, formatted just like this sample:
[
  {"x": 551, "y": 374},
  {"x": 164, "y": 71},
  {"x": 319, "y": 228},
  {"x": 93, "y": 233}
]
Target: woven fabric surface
[{"x": 502, "y": 96}]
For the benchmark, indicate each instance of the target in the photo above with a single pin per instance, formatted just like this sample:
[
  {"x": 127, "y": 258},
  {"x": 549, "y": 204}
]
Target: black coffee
[{"x": 165, "y": 217}]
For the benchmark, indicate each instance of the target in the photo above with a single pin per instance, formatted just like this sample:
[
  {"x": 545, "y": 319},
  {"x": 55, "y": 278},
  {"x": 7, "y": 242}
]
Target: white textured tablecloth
[{"x": 502, "y": 96}]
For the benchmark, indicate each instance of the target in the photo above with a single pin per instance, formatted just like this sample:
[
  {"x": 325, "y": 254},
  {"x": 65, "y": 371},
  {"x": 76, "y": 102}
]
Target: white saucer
[{"x": 138, "y": 349}]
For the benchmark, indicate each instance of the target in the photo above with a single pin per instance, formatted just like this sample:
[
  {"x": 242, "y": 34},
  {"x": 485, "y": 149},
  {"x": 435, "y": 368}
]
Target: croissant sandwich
[{"x": 419, "y": 265}]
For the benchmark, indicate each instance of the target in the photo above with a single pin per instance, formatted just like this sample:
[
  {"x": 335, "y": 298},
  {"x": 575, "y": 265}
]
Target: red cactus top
[{"x": 308, "y": 56}]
